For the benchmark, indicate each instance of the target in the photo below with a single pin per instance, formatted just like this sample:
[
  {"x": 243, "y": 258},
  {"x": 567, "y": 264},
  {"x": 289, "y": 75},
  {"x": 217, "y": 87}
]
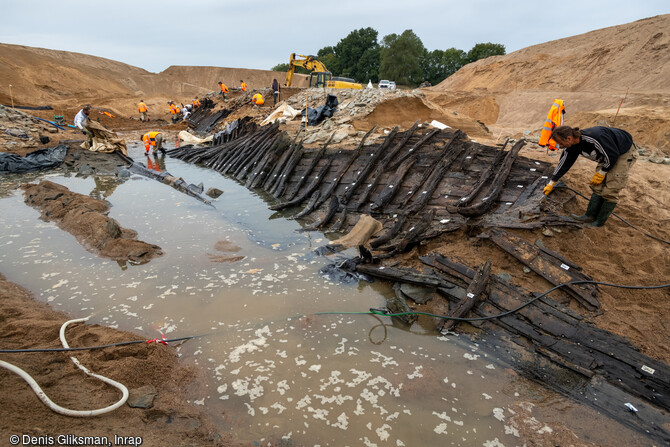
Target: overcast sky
[{"x": 260, "y": 34}]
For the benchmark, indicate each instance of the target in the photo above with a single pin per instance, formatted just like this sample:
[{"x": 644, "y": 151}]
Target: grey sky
[{"x": 260, "y": 34}]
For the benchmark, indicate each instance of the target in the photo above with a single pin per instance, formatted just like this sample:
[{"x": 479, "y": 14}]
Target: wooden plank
[
  {"x": 547, "y": 266},
  {"x": 492, "y": 192},
  {"x": 368, "y": 166},
  {"x": 475, "y": 293},
  {"x": 381, "y": 166}
]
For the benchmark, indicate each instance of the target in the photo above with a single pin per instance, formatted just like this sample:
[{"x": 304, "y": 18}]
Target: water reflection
[{"x": 104, "y": 186}]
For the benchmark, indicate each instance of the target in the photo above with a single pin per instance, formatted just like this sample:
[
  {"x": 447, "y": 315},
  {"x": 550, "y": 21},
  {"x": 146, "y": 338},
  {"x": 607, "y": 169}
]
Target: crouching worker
[
  {"x": 258, "y": 99},
  {"x": 615, "y": 153},
  {"x": 154, "y": 139},
  {"x": 81, "y": 121}
]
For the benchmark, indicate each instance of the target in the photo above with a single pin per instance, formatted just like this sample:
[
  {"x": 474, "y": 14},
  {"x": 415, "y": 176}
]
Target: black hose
[
  {"x": 504, "y": 314},
  {"x": 89, "y": 348},
  {"x": 374, "y": 312},
  {"x": 563, "y": 185}
]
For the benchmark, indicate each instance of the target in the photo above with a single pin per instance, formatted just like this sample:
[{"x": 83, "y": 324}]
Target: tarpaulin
[
  {"x": 104, "y": 140},
  {"x": 192, "y": 139},
  {"x": 34, "y": 161},
  {"x": 315, "y": 116}
]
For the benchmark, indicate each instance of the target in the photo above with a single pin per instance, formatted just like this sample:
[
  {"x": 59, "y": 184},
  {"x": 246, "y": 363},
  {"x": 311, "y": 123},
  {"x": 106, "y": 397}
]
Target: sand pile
[
  {"x": 67, "y": 80},
  {"x": 592, "y": 72},
  {"x": 359, "y": 110}
]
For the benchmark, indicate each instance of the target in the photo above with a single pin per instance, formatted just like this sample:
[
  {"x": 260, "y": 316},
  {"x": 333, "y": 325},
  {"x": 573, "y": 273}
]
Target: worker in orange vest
[
  {"x": 152, "y": 139},
  {"x": 175, "y": 111},
  {"x": 554, "y": 120},
  {"x": 224, "y": 90},
  {"x": 142, "y": 108},
  {"x": 258, "y": 99},
  {"x": 196, "y": 103},
  {"x": 243, "y": 85}
]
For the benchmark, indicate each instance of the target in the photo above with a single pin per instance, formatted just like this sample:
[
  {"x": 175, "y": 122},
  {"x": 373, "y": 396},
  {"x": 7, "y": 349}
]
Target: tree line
[{"x": 399, "y": 57}]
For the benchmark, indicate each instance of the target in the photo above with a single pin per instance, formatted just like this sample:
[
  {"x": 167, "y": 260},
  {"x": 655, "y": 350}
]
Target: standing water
[{"x": 274, "y": 369}]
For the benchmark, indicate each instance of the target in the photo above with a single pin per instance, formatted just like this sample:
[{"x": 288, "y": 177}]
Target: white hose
[{"x": 57, "y": 408}]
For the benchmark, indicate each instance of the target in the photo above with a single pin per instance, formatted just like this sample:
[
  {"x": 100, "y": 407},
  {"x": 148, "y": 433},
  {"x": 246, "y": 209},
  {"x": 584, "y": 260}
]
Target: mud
[{"x": 85, "y": 218}]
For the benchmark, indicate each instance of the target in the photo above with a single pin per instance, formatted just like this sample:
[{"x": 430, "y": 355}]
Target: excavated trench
[{"x": 279, "y": 364}]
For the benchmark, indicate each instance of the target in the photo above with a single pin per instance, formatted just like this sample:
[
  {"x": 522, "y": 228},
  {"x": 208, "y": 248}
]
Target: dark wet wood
[
  {"x": 340, "y": 222},
  {"x": 280, "y": 185},
  {"x": 331, "y": 210},
  {"x": 475, "y": 293},
  {"x": 412, "y": 235},
  {"x": 332, "y": 185},
  {"x": 368, "y": 166},
  {"x": 491, "y": 193},
  {"x": 316, "y": 181},
  {"x": 311, "y": 205},
  {"x": 393, "y": 186},
  {"x": 412, "y": 150},
  {"x": 483, "y": 179},
  {"x": 307, "y": 172},
  {"x": 549, "y": 267},
  {"x": 390, "y": 233},
  {"x": 273, "y": 177},
  {"x": 370, "y": 184},
  {"x": 563, "y": 338}
]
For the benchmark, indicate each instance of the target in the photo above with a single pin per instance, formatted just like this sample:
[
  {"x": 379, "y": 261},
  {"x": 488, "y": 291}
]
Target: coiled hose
[{"x": 57, "y": 408}]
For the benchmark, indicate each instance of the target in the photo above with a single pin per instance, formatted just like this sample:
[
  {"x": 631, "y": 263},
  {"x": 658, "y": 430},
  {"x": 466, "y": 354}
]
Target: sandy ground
[{"x": 26, "y": 323}]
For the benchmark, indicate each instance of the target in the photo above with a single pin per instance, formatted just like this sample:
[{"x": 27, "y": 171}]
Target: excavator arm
[{"x": 307, "y": 62}]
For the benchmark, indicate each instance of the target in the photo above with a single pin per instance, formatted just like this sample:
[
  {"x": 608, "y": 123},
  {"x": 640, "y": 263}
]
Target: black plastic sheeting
[
  {"x": 315, "y": 116},
  {"x": 34, "y": 161},
  {"x": 28, "y": 107}
]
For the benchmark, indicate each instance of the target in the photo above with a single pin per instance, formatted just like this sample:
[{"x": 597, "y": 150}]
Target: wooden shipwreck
[{"x": 424, "y": 182}]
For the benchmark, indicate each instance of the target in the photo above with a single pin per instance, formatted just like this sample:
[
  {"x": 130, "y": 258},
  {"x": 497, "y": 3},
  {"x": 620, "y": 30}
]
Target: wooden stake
[{"x": 617, "y": 110}]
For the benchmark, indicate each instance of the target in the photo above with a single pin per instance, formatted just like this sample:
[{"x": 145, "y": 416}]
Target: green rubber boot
[
  {"x": 605, "y": 210},
  {"x": 591, "y": 210}
]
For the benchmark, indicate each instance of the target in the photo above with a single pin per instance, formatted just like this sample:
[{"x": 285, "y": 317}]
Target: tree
[
  {"x": 328, "y": 57},
  {"x": 484, "y": 50},
  {"x": 401, "y": 58},
  {"x": 432, "y": 65},
  {"x": 358, "y": 55},
  {"x": 280, "y": 67},
  {"x": 452, "y": 60}
]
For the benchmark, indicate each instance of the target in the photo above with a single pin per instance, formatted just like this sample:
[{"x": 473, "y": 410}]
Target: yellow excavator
[{"x": 320, "y": 76}]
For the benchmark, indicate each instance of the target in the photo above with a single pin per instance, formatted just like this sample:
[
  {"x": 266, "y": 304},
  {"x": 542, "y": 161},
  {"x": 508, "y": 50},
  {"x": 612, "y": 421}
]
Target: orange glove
[
  {"x": 598, "y": 178},
  {"x": 549, "y": 188}
]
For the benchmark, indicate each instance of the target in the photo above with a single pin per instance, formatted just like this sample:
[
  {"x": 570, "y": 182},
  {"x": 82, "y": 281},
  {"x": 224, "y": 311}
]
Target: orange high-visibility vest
[
  {"x": 554, "y": 119},
  {"x": 142, "y": 107},
  {"x": 173, "y": 109},
  {"x": 149, "y": 140},
  {"x": 244, "y": 86},
  {"x": 258, "y": 99},
  {"x": 224, "y": 89},
  {"x": 196, "y": 103},
  {"x": 177, "y": 109}
]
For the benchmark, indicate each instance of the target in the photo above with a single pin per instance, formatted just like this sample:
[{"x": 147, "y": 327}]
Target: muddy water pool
[{"x": 273, "y": 368}]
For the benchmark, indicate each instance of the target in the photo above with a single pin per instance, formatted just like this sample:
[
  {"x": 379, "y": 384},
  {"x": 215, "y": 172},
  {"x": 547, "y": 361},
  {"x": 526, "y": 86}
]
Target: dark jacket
[
  {"x": 275, "y": 86},
  {"x": 602, "y": 144}
]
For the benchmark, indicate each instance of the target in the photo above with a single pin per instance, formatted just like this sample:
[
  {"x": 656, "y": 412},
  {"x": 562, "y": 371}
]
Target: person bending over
[
  {"x": 153, "y": 139},
  {"x": 615, "y": 153}
]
